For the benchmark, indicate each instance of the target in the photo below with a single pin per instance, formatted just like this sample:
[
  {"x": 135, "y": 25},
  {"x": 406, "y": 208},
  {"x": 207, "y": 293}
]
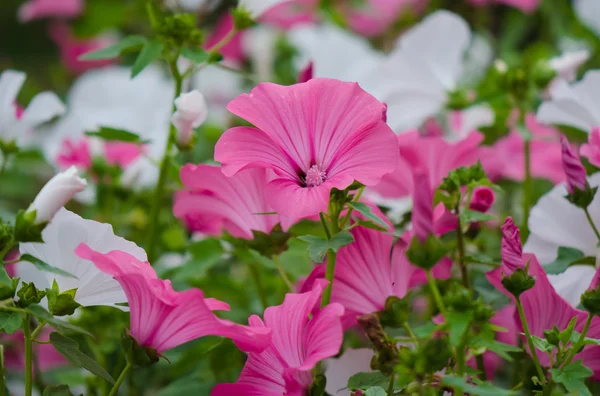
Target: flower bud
[
  {"x": 28, "y": 294},
  {"x": 574, "y": 170},
  {"x": 306, "y": 73},
  {"x": 566, "y": 65},
  {"x": 512, "y": 250},
  {"x": 483, "y": 199},
  {"x": 552, "y": 336},
  {"x": 61, "y": 304},
  {"x": 396, "y": 311},
  {"x": 55, "y": 194},
  {"x": 590, "y": 300},
  {"x": 422, "y": 214},
  {"x": 518, "y": 282},
  {"x": 191, "y": 113},
  {"x": 136, "y": 354}
]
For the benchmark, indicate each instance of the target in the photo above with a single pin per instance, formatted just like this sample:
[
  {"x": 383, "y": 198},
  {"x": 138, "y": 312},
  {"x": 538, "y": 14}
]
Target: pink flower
[
  {"x": 298, "y": 344},
  {"x": 71, "y": 48},
  {"x": 307, "y": 74},
  {"x": 376, "y": 16},
  {"x": 365, "y": 275},
  {"x": 316, "y": 136},
  {"x": 512, "y": 249},
  {"x": 162, "y": 318},
  {"x": 591, "y": 150},
  {"x": 291, "y": 13},
  {"x": 422, "y": 214},
  {"x": 574, "y": 170},
  {"x": 74, "y": 154},
  {"x": 506, "y": 158},
  {"x": 79, "y": 153},
  {"x": 38, "y": 9},
  {"x": 433, "y": 153},
  {"x": 232, "y": 51},
  {"x": 483, "y": 199},
  {"x": 121, "y": 153},
  {"x": 212, "y": 202},
  {"x": 47, "y": 357}
]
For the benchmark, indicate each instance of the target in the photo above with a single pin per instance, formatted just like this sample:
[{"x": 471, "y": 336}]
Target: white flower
[
  {"x": 555, "y": 222},
  {"x": 219, "y": 87},
  {"x": 56, "y": 193},
  {"x": 575, "y": 105},
  {"x": 567, "y": 64},
  {"x": 191, "y": 113},
  {"x": 461, "y": 123},
  {"x": 425, "y": 66},
  {"x": 338, "y": 371},
  {"x": 589, "y": 12},
  {"x": 258, "y": 7},
  {"x": 259, "y": 44},
  {"x": 140, "y": 174},
  {"x": 42, "y": 108},
  {"x": 61, "y": 237}
]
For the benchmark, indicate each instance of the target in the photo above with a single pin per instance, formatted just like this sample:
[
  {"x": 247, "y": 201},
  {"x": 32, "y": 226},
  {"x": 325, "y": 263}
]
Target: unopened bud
[
  {"x": 518, "y": 282},
  {"x": 190, "y": 114}
]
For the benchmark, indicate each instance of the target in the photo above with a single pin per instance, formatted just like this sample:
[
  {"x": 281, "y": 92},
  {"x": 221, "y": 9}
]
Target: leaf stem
[
  {"x": 390, "y": 390},
  {"x": 435, "y": 291},
  {"x": 460, "y": 242},
  {"x": 38, "y": 329},
  {"x": 28, "y": 355},
  {"x": 331, "y": 259},
  {"x": 534, "y": 355},
  {"x": 259, "y": 287},
  {"x": 589, "y": 218},
  {"x": 481, "y": 367},
  {"x": 117, "y": 384},
  {"x": 350, "y": 209},
  {"x": 282, "y": 273},
  {"x": 580, "y": 341}
]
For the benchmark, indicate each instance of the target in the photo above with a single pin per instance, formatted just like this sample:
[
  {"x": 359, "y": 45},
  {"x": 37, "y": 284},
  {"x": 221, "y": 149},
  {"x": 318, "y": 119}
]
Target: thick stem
[
  {"x": 282, "y": 273},
  {"x": 259, "y": 287},
  {"x": 526, "y": 190},
  {"x": 580, "y": 341},
  {"x": 117, "y": 384},
  {"x": 28, "y": 355},
  {"x": 460, "y": 242},
  {"x": 589, "y": 218},
  {"x": 534, "y": 355},
  {"x": 436, "y": 293}
]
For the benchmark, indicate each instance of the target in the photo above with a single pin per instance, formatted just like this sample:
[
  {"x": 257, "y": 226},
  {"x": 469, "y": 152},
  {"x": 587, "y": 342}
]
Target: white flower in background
[
  {"x": 556, "y": 222},
  {"x": 338, "y": 371},
  {"x": 259, "y": 43},
  {"x": 189, "y": 5},
  {"x": 258, "y": 7},
  {"x": 589, "y": 12},
  {"x": 574, "y": 105},
  {"x": 19, "y": 127},
  {"x": 66, "y": 231},
  {"x": 141, "y": 174},
  {"x": 190, "y": 114},
  {"x": 567, "y": 64},
  {"x": 477, "y": 60},
  {"x": 462, "y": 123},
  {"x": 423, "y": 68},
  {"x": 219, "y": 87},
  {"x": 56, "y": 193}
]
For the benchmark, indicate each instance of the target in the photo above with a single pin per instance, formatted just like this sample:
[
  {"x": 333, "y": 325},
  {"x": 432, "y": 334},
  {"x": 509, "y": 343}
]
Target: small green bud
[
  {"x": 396, "y": 311},
  {"x": 8, "y": 148},
  {"x": 552, "y": 336},
  {"x": 28, "y": 294},
  {"x": 590, "y": 300},
  {"x": 459, "y": 299},
  {"x": 426, "y": 254},
  {"x": 8, "y": 287},
  {"x": 517, "y": 83},
  {"x": 242, "y": 19},
  {"x": 180, "y": 30},
  {"x": 136, "y": 354},
  {"x": 543, "y": 74},
  {"x": 436, "y": 354},
  {"x": 582, "y": 198},
  {"x": 61, "y": 304},
  {"x": 482, "y": 313},
  {"x": 6, "y": 234},
  {"x": 317, "y": 388},
  {"x": 517, "y": 283}
]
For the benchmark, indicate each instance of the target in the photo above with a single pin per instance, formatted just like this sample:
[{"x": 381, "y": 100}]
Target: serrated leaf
[
  {"x": 458, "y": 323},
  {"x": 196, "y": 55},
  {"x": 116, "y": 135},
  {"x": 57, "y": 390},
  {"x": 481, "y": 389},
  {"x": 10, "y": 321},
  {"x": 112, "y": 51},
  {"x": 151, "y": 51},
  {"x": 367, "y": 211},
  {"x": 367, "y": 380},
  {"x": 566, "y": 257},
  {"x": 318, "y": 247},
  {"x": 542, "y": 344},
  {"x": 43, "y": 266},
  {"x": 59, "y": 325},
  {"x": 70, "y": 350},
  {"x": 376, "y": 391},
  {"x": 472, "y": 216},
  {"x": 572, "y": 377}
]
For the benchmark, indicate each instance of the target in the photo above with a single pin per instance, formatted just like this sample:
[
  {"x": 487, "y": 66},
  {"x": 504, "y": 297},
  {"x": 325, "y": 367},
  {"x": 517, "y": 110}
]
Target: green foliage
[
  {"x": 62, "y": 327},
  {"x": 43, "y": 266},
  {"x": 128, "y": 44},
  {"x": 115, "y": 135},
  {"x": 137, "y": 355},
  {"x": 196, "y": 55},
  {"x": 10, "y": 321},
  {"x": 376, "y": 391},
  {"x": 365, "y": 381},
  {"x": 480, "y": 389},
  {"x": 57, "y": 390},
  {"x": 566, "y": 257},
  {"x": 572, "y": 377},
  {"x": 29, "y": 294},
  {"x": 367, "y": 211},
  {"x": 518, "y": 282},
  {"x": 151, "y": 51},
  {"x": 61, "y": 303},
  {"x": 26, "y": 230},
  {"x": 426, "y": 254},
  {"x": 318, "y": 247}
]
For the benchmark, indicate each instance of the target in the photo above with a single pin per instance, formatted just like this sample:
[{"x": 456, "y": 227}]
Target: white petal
[
  {"x": 338, "y": 371},
  {"x": 11, "y": 82},
  {"x": 571, "y": 284},
  {"x": 43, "y": 107},
  {"x": 589, "y": 12},
  {"x": 258, "y": 7},
  {"x": 259, "y": 43}
]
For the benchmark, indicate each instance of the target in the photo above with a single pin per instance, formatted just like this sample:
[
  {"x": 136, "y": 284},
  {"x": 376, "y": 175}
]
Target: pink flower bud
[
  {"x": 191, "y": 113},
  {"x": 575, "y": 172},
  {"x": 306, "y": 73},
  {"x": 422, "y": 215},
  {"x": 483, "y": 199},
  {"x": 56, "y": 193},
  {"x": 512, "y": 250}
]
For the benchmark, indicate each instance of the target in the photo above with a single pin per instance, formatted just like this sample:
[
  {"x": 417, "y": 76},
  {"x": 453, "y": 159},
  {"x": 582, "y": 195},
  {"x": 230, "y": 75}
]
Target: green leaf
[
  {"x": 116, "y": 135},
  {"x": 566, "y": 257},
  {"x": 481, "y": 389},
  {"x": 318, "y": 247},
  {"x": 572, "y": 377},
  {"x": 565, "y": 335},
  {"x": 57, "y": 390},
  {"x": 458, "y": 323},
  {"x": 367, "y": 380},
  {"x": 25, "y": 228},
  {"x": 59, "y": 325},
  {"x": 112, "y": 51},
  {"x": 151, "y": 51},
  {"x": 376, "y": 391},
  {"x": 367, "y": 211},
  {"x": 497, "y": 347},
  {"x": 43, "y": 266},
  {"x": 542, "y": 344},
  {"x": 10, "y": 321},
  {"x": 70, "y": 350},
  {"x": 196, "y": 55},
  {"x": 472, "y": 216}
]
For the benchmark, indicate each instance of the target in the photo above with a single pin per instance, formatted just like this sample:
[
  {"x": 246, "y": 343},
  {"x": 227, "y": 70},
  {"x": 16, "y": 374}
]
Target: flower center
[{"x": 315, "y": 176}]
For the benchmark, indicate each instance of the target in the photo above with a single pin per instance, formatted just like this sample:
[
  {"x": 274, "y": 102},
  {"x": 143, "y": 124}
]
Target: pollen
[{"x": 315, "y": 176}]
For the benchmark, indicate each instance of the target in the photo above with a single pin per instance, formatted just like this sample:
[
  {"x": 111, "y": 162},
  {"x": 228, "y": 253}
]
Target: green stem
[
  {"x": 6, "y": 248},
  {"x": 460, "y": 367},
  {"x": 331, "y": 258},
  {"x": 324, "y": 224},
  {"x": 28, "y": 355},
  {"x": 534, "y": 355},
  {"x": 2, "y": 379},
  {"x": 410, "y": 333},
  {"x": 580, "y": 341},
  {"x": 223, "y": 42},
  {"x": 391, "y": 385},
  {"x": 526, "y": 190},
  {"x": 164, "y": 168},
  {"x": 481, "y": 367},
  {"x": 589, "y": 218},
  {"x": 356, "y": 199},
  {"x": 436, "y": 293},
  {"x": 461, "y": 250},
  {"x": 282, "y": 273},
  {"x": 259, "y": 287},
  {"x": 38, "y": 329},
  {"x": 115, "y": 387}
]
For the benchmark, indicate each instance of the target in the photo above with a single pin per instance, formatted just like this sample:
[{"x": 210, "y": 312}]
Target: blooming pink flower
[
  {"x": 213, "y": 202},
  {"x": 298, "y": 343},
  {"x": 422, "y": 214},
  {"x": 591, "y": 149},
  {"x": 162, "y": 318},
  {"x": 315, "y": 135},
  {"x": 433, "y": 153},
  {"x": 506, "y": 158},
  {"x": 574, "y": 170},
  {"x": 71, "y": 48},
  {"x": 38, "y": 9},
  {"x": 365, "y": 275},
  {"x": 232, "y": 51}
]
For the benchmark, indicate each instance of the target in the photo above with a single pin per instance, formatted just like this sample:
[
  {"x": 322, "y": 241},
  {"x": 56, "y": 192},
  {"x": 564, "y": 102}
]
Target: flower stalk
[
  {"x": 534, "y": 355},
  {"x": 120, "y": 380}
]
